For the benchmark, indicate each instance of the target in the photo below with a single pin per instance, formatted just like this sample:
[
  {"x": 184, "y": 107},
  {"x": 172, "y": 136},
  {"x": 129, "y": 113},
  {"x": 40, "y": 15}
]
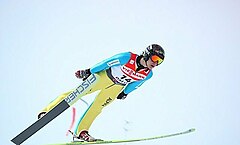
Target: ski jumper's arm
[
  {"x": 134, "y": 85},
  {"x": 118, "y": 59}
]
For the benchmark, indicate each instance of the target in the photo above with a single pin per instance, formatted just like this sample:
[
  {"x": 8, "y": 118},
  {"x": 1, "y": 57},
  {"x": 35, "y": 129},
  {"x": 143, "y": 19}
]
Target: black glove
[
  {"x": 122, "y": 96},
  {"x": 83, "y": 74}
]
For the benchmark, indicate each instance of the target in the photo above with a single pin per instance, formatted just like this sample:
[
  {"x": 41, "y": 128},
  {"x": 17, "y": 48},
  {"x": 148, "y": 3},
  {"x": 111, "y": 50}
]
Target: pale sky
[{"x": 42, "y": 44}]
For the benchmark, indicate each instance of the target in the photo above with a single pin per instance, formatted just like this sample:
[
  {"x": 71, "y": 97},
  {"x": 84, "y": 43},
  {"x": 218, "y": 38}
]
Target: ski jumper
[{"x": 116, "y": 74}]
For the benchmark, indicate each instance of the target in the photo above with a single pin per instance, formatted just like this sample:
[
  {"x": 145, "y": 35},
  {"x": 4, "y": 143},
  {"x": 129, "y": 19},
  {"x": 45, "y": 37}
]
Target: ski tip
[{"x": 192, "y": 130}]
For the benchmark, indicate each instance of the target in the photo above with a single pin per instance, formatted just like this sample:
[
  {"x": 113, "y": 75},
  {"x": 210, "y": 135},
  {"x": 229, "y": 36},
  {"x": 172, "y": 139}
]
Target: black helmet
[{"x": 152, "y": 50}]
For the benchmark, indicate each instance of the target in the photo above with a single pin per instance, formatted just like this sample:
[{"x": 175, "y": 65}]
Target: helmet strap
[
  {"x": 139, "y": 65},
  {"x": 146, "y": 63}
]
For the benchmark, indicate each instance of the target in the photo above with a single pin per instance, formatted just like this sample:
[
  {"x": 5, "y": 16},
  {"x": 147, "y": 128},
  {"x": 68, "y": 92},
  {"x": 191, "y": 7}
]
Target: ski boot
[
  {"x": 84, "y": 136},
  {"x": 41, "y": 114}
]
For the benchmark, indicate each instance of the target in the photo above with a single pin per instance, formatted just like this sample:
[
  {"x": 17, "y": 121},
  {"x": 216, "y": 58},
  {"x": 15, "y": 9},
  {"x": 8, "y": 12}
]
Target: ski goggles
[{"x": 157, "y": 59}]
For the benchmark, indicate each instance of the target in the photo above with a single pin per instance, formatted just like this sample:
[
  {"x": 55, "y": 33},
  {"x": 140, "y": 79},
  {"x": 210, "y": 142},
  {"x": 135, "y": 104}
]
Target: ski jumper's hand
[
  {"x": 83, "y": 74},
  {"x": 122, "y": 96}
]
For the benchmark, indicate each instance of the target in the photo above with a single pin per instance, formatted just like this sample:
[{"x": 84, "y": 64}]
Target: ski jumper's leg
[
  {"x": 108, "y": 93},
  {"x": 55, "y": 102},
  {"x": 91, "y": 88}
]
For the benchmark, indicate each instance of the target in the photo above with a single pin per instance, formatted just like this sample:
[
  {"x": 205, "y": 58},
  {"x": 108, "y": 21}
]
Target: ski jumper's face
[{"x": 150, "y": 64}]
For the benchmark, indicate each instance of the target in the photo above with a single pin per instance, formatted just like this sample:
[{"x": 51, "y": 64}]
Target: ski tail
[{"x": 40, "y": 123}]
